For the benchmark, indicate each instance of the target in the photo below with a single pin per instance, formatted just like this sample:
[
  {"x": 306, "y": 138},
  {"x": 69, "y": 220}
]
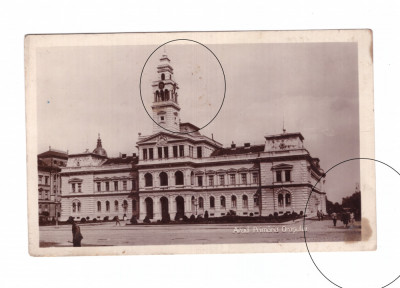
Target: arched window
[
  {"x": 116, "y": 206},
  {"x": 79, "y": 207},
  {"x": 74, "y": 207},
  {"x": 107, "y": 206},
  {"x": 125, "y": 206},
  {"x": 98, "y": 206},
  {"x": 166, "y": 95},
  {"x": 163, "y": 179},
  {"x": 245, "y": 201},
  {"x": 223, "y": 202},
  {"x": 148, "y": 179},
  {"x": 178, "y": 178},
  {"x": 287, "y": 199},
  {"x": 212, "y": 202},
  {"x": 280, "y": 200},
  {"x": 157, "y": 96},
  {"x": 233, "y": 199},
  {"x": 162, "y": 76},
  {"x": 162, "y": 95},
  {"x": 201, "y": 202},
  {"x": 256, "y": 201}
]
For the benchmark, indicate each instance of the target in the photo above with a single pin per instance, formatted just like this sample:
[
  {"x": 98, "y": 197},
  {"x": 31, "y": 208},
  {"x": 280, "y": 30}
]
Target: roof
[
  {"x": 238, "y": 150},
  {"x": 119, "y": 160},
  {"x": 285, "y": 135},
  {"x": 189, "y": 127},
  {"x": 55, "y": 154}
]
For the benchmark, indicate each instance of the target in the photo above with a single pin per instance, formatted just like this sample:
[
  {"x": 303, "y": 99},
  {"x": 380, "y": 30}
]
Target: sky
[{"x": 310, "y": 88}]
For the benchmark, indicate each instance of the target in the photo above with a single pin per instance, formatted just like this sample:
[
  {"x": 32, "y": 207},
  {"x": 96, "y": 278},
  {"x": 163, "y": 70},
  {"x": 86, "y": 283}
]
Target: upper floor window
[
  {"x": 244, "y": 178},
  {"x": 178, "y": 178},
  {"x": 73, "y": 188},
  {"x": 255, "y": 178},
  {"x": 40, "y": 178},
  {"x": 124, "y": 185},
  {"x": 162, "y": 76},
  {"x": 159, "y": 150},
  {"x": 181, "y": 150},
  {"x": 46, "y": 180},
  {"x": 175, "y": 151},
  {"x": 151, "y": 153},
  {"x": 278, "y": 176},
  {"x": 144, "y": 154},
  {"x": 162, "y": 118},
  {"x": 133, "y": 184},
  {"x": 233, "y": 179},
  {"x": 200, "y": 180},
  {"x": 98, "y": 186},
  {"x": 115, "y": 185},
  {"x": 199, "y": 152},
  {"x": 165, "y": 152},
  {"x": 222, "y": 179},
  {"x": 211, "y": 180},
  {"x": 287, "y": 175},
  {"x": 163, "y": 179},
  {"x": 148, "y": 179},
  {"x": 191, "y": 151},
  {"x": 79, "y": 187},
  {"x": 107, "y": 186}
]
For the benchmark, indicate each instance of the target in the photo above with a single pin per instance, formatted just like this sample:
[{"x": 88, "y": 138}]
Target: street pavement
[{"x": 107, "y": 234}]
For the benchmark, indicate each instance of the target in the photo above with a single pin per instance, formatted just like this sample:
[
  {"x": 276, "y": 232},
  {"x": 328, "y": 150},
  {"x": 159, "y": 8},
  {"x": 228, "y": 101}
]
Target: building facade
[
  {"x": 96, "y": 186},
  {"x": 183, "y": 173},
  {"x": 180, "y": 172},
  {"x": 49, "y": 180}
]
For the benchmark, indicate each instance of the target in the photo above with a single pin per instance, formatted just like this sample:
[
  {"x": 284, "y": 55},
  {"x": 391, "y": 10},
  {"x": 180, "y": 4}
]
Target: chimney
[
  {"x": 233, "y": 145},
  {"x": 123, "y": 156},
  {"x": 133, "y": 155},
  {"x": 247, "y": 145}
]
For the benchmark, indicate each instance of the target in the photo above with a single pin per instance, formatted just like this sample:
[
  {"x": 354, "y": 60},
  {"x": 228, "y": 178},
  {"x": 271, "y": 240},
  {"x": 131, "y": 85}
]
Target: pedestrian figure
[
  {"x": 76, "y": 235},
  {"x": 321, "y": 215},
  {"x": 318, "y": 215},
  {"x": 334, "y": 218},
  {"x": 345, "y": 219},
  {"x": 117, "y": 221},
  {"x": 352, "y": 218}
]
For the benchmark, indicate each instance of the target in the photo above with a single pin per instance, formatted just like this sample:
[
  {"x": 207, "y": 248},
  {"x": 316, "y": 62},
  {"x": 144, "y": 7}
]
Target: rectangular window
[
  {"x": 159, "y": 152},
  {"x": 151, "y": 153},
  {"x": 175, "y": 151},
  {"x": 200, "y": 180},
  {"x": 199, "y": 152},
  {"x": 98, "y": 186},
  {"x": 255, "y": 178},
  {"x": 144, "y": 154},
  {"x": 244, "y": 178},
  {"x": 115, "y": 185},
  {"x": 278, "y": 176},
  {"x": 107, "y": 186},
  {"x": 46, "y": 195},
  {"x": 181, "y": 150},
  {"x": 40, "y": 194},
  {"x": 40, "y": 178},
  {"x": 165, "y": 152},
  {"x": 73, "y": 188},
  {"x": 191, "y": 151},
  {"x": 287, "y": 175},
  {"x": 255, "y": 201},
  {"x": 124, "y": 185},
  {"x": 221, "y": 179},
  {"x": 211, "y": 180},
  {"x": 79, "y": 187},
  {"x": 233, "y": 179},
  {"x": 46, "y": 180},
  {"x": 133, "y": 185}
]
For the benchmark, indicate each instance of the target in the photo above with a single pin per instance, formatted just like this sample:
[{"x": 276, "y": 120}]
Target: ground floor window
[
  {"x": 222, "y": 202},
  {"x": 212, "y": 202}
]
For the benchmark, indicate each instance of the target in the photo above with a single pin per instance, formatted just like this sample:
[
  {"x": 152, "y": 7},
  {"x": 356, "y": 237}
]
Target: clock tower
[{"x": 165, "y": 106}]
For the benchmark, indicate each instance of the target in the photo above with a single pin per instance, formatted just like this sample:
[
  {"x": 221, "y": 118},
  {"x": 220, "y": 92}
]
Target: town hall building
[{"x": 180, "y": 172}]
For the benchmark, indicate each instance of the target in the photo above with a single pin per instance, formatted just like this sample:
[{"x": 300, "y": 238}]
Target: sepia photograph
[{"x": 203, "y": 142}]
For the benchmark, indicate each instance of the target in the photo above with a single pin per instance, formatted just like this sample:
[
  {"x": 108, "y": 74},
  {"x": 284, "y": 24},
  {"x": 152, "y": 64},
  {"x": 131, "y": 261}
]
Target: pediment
[
  {"x": 161, "y": 138},
  {"x": 75, "y": 180},
  {"x": 282, "y": 166}
]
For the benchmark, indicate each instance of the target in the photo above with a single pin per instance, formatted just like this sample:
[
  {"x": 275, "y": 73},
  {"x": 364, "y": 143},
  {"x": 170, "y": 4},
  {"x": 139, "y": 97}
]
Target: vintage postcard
[{"x": 200, "y": 142}]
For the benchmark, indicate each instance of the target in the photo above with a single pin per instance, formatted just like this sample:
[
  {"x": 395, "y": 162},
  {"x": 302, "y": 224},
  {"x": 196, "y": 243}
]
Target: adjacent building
[{"x": 49, "y": 180}]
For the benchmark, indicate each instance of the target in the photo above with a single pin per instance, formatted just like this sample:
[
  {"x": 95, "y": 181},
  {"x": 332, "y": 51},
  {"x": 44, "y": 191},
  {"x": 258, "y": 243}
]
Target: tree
[{"x": 353, "y": 203}]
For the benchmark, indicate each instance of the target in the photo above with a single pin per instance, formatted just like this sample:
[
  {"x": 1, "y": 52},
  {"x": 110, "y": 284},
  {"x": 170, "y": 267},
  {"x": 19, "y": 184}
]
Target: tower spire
[{"x": 283, "y": 123}]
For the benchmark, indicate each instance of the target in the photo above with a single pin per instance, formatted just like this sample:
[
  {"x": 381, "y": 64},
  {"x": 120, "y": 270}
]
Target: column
[
  {"x": 142, "y": 208},
  {"x": 188, "y": 205},
  {"x": 172, "y": 207},
  {"x": 156, "y": 208}
]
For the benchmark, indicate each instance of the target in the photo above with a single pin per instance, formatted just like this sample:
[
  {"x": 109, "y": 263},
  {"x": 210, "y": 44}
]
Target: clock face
[{"x": 161, "y": 85}]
